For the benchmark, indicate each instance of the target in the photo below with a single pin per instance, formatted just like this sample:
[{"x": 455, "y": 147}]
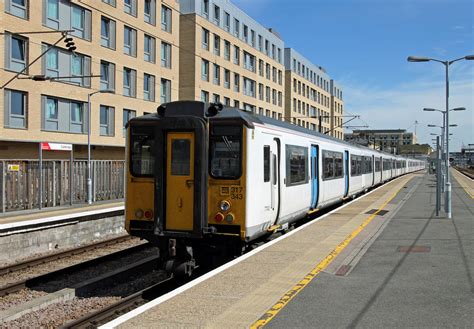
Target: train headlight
[
  {"x": 229, "y": 218},
  {"x": 224, "y": 205},
  {"x": 139, "y": 213},
  {"x": 219, "y": 217}
]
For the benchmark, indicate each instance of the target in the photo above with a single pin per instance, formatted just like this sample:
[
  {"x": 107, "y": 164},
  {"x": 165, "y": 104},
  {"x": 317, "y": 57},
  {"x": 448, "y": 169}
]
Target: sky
[{"x": 364, "y": 44}]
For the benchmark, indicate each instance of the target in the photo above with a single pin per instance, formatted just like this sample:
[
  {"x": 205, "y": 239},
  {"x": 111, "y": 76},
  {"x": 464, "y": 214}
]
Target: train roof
[{"x": 200, "y": 109}]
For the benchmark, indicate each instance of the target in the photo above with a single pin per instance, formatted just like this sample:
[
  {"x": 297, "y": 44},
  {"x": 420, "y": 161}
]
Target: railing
[{"x": 20, "y": 183}]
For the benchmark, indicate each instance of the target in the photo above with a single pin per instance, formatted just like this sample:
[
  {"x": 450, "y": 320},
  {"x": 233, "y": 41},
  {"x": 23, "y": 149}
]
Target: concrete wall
[{"x": 27, "y": 244}]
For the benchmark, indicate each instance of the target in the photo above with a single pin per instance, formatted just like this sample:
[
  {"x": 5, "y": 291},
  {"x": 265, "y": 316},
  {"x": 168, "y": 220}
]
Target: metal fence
[{"x": 61, "y": 185}]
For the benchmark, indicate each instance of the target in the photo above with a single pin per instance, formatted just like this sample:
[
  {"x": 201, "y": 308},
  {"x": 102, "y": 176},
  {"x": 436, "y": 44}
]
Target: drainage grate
[
  {"x": 414, "y": 249},
  {"x": 379, "y": 213}
]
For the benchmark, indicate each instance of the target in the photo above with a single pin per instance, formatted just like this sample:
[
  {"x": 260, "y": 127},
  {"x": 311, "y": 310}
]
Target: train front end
[{"x": 191, "y": 202}]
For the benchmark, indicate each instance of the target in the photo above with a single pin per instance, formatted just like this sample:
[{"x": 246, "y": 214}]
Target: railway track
[
  {"x": 64, "y": 272},
  {"x": 94, "y": 319},
  {"x": 466, "y": 172},
  {"x": 61, "y": 255}
]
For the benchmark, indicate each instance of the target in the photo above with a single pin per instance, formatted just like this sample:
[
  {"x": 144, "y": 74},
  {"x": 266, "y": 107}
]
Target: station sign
[
  {"x": 13, "y": 167},
  {"x": 56, "y": 147}
]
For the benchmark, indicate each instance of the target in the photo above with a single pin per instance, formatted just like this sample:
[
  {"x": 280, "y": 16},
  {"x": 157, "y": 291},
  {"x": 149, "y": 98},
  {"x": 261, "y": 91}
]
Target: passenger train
[{"x": 204, "y": 181}]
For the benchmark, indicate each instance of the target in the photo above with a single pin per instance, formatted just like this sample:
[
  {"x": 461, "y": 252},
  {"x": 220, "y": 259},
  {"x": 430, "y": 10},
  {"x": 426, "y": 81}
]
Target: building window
[
  {"x": 165, "y": 55},
  {"x": 129, "y": 41},
  {"x": 130, "y": 7},
  {"x": 216, "y": 98},
  {"x": 129, "y": 82},
  {"x": 126, "y": 116},
  {"x": 110, "y": 2},
  {"x": 204, "y": 96},
  {"x": 15, "y": 52},
  {"x": 63, "y": 115},
  {"x": 165, "y": 18},
  {"x": 226, "y": 21},
  {"x": 236, "y": 82},
  {"x": 236, "y": 55},
  {"x": 236, "y": 104},
  {"x": 217, "y": 74},
  {"x": 260, "y": 91},
  {"x": 72, "y": 16},
  {"x": 107, "y": 120},
  {"x": 226, "y": 101},
  {"x": 236, "y": 27},
  {"x": 15, "y": 110},
  {"x": 249, "y": 62},
  {"x": 246, "y": 33},
  {"x": 205, "y": 70},
  {"x": 149, "y": 11},
  {"x": 226, "y": 78},
  {"x": 149, "y": 48},
  {"x": 165, "y": 93},
  {"x": 267, "y": 94},
  {"x": 249, "y": 87},
  {"x": 107, "y": 32},
  {"x": 226, "y": 50},
  {"x": 149, "y": 87},
  {"x": 260, "y": 42},
  {"x": 18, "y": 8},
  {"x": 107, "y": 76},
  {"x": 205, "y": 39},
  {"x": 252, "y": 38},
  {"x": 61, "y": 63},
  {"x": 217, "y": 45},
  {"x": 205, "y": 8},
  {"x": 217, "y": 15}
]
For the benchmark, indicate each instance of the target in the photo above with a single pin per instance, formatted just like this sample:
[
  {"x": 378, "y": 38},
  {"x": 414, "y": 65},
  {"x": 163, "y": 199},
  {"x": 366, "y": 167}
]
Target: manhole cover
[
  {"x": 379, "y": 212},
  {"x": 414, "y": 249}
]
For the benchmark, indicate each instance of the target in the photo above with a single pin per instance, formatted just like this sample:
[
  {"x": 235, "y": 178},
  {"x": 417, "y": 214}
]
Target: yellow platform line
[{"x": 290, "y": 294}]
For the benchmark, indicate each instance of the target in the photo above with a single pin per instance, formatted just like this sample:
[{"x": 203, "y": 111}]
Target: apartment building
[
  {"x": 313, "y": 99},
  {"x": 228, "y": 57},
  {"x": 129, "y": 47}
]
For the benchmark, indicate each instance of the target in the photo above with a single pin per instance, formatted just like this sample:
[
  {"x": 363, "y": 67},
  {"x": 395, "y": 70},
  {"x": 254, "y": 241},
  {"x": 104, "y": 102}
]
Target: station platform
[
  {"x": 11, "y": 220},
  {"x": 382, "y": 260}
]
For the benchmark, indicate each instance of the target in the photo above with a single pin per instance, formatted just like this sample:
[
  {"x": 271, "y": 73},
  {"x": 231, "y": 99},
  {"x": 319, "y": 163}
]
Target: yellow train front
[{"x": 191, "y": 210}]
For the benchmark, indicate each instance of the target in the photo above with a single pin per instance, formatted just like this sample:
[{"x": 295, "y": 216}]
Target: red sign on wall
[{"x": 56, "y": 147}]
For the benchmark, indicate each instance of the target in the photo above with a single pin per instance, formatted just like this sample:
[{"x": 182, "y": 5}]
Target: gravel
[
  {"x": 19, "y": 297},
  {"x": 55, "y": 315}
]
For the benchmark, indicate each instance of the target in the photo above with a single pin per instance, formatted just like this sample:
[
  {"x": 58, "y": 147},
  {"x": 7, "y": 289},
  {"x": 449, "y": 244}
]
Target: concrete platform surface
[
  {"x": 35, "y": 216},
  {"x": 255, "y": 289}
]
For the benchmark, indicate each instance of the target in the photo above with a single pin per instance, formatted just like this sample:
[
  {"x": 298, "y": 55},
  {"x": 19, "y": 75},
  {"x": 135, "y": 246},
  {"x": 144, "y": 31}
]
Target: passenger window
[
  {"x": 339, "y": 171},
  {"x": 296, "y": 165},
  {"x": 266, "y": 163},
  {"x": 142, "y": 154},
  {"x": 275, "y": 168},
  {"x": 180, "y": 157}
]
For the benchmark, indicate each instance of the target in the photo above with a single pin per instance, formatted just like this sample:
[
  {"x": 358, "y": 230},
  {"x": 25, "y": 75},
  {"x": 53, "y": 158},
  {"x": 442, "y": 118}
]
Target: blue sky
[{"x": 363, "y": 44}]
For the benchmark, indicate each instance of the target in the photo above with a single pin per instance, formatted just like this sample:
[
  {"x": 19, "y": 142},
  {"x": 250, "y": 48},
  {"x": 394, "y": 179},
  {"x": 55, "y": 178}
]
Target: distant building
[
  {"x": 465, "y": 158},
  {"x": 388, "y": 140}
]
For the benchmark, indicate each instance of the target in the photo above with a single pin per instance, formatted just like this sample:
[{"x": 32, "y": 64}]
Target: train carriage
[{"x": 204, "y": 182}]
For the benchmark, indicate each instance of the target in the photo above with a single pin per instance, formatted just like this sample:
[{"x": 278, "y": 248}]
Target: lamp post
[
  {"x": 89, "y": 173},
  {"x": 446, "y": 64}
]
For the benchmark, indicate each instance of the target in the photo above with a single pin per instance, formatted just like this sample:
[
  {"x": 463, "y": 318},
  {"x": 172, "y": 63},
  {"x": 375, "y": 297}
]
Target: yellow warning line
[{"x": 290, "y": 294}]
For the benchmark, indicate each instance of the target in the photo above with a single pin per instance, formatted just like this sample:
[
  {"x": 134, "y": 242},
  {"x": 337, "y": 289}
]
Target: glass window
[
  {"x": 149, "y": 10},
  {"x": 225, "y": 152},
  {"x": 78, "y": 21},
  {"x": 226, "y": 21},
  {"x": 107, "y": 76},
  {"x": 52, "y": 62},
  {"x": 149, "y": 87},
  {"x": 107, "y": 32},
  {"x": 165, "y": 18},
  {"x": 205, "y": 70},
  {"x": 296, "y": 165},
  {"x": 129, "y": 82},
  {"x": 142, "y": 151},
  {"x": 52, "y": 109},
  {"x": 15, "y": 111},
  {"x": 205, "y": 39},
  {"x": 165, "y": 92},
  {"x": 129, "y": 41},
  {"x": 165, "y": 55},
  {"x": 53, "y": 9},
  {"x": 107, "y": 121},
  {"x": 149, "y": 48},
  {"x": 18, "y": 51},
  {"x": 266, "y": 163},
  {"x": 180, "y": 157},
  {"x": 205, "y": 8},
  {"x": 126, "y": 116},
  {"x": 18, "y": 8}
]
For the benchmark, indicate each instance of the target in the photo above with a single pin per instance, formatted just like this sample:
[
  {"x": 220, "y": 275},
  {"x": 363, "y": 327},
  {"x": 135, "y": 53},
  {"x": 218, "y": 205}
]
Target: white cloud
[{"x": 399, "y": 107}]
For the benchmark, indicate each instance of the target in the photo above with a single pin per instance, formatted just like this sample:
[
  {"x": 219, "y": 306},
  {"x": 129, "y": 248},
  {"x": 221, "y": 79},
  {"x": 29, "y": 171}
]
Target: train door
[
  {"x": 180, "y": 181},
  {"x": 271, "y": 179},
  {"x": 346, "y": 173},
  {"x": 314, "y": 176}
]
